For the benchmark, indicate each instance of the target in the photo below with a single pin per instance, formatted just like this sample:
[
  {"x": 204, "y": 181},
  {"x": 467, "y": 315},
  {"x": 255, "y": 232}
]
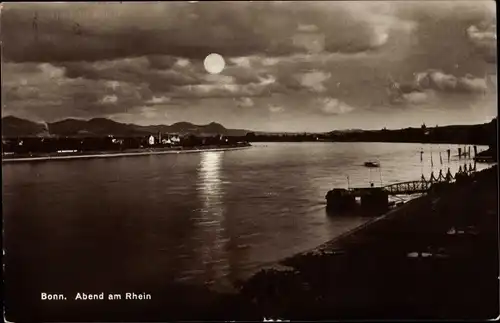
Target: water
[{"x": 209, "y": 218}]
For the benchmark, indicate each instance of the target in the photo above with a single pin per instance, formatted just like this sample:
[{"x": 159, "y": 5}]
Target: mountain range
[{"x": 17, "y": 127}]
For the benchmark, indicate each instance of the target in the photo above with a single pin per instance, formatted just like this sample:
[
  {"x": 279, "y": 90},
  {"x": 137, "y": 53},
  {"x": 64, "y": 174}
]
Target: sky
[{"x": 289, "y": 66}]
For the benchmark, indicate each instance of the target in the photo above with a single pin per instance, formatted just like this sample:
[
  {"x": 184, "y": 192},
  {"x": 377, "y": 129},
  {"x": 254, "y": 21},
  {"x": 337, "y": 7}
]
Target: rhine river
[{"x": 205, "y": 218}]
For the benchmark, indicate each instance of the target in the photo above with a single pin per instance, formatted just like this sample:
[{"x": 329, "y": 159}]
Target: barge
[{"x": 370, "y": 200}]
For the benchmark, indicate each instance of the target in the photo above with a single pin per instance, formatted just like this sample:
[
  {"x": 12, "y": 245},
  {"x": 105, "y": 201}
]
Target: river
[{"x": 207, "y": 218}]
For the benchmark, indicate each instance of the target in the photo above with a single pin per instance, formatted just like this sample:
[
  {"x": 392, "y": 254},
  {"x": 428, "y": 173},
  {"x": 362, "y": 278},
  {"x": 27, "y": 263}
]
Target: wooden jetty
[{"x": 375, "y": 200}]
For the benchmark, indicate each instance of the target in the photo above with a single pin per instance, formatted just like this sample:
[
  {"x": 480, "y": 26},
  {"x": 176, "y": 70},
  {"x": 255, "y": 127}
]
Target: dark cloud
[
  {"x": 161, "y": 62},
  {"x": 54, "y": 33},
  {"x": 136, "y": 71}
]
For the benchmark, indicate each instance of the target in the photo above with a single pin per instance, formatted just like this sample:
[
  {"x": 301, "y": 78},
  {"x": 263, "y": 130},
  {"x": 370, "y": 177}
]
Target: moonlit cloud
[
  {"x": 51, "y": 71},
  {"x": 314, "y": 80},
  {"x": 447, "y": 82},
  {"x": 241, "y": 61},
  {"x": 113, "y": 84},
  {"x": 270, "y": 61},
  {"x": 332, "y": 106},
  {"x": 109, "y": 99},
  {"x": 313, "y": 43},
  {"x": 182, "y": 62},
  {"x": 416, "y": 98},
  {"x": 487, "y": 34},
  {"x": 245, "y": 102},
  {"x": 276, "y": 109},
  {"x": 158, "y": 100},
  {"x": 307, "y": 28}
]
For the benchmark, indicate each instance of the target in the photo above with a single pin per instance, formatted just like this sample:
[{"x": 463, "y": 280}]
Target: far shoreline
[{"x": 123, "y": 154}]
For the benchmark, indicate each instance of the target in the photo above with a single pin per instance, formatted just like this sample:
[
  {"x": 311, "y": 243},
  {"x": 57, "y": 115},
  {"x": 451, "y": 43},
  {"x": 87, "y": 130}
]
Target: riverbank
[
  {"x": 434, "y": 258},
  {"x": 136, "y": 152}
]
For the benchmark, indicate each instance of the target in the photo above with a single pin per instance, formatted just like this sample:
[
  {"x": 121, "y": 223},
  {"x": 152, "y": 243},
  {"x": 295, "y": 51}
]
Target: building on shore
[{"x": 151, "y": 140}]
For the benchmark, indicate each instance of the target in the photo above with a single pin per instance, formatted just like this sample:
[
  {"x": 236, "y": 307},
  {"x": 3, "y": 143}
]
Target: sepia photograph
[{"x": 249, "y": 161}]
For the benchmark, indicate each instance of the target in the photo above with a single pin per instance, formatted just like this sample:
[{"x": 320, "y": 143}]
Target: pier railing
[
  {"x": 411, "y": 187},
  {"x": 423, "y": 185}
]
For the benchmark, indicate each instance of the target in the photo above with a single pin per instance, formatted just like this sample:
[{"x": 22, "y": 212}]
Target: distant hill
[
  {"x": 16, "y": 127},
  {"x": 485, "y": 133},
  {"x": 480, "y": 134},
  {"x": 22, "y": 127}
]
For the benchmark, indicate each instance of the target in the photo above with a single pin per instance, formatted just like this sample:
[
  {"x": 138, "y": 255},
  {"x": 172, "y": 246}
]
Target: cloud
[
  {"x": 241, "y": 61},
  {"x": 436, "y": 79},
  {"x": 485, "y": 39},
  {"x": 136, "y": 71},
  {"x": 158, "y": 100},
  {"x": 311, "y": 42},
  {"x": 273, "y": 108},
  {"x": 416, "y": 98},
  {"x": 109, "y": 99},
  {"x": 488, "y": 34},
  {"x": 221, "y": 86},
  {"x": 219, "y": 79},
  {"x": 307, "y": 28},
  {"x": 332, "y": 106},
  {"x": 314, "y": 80},
  {"x": 433, "y": 84},
  {"x": 244, "y": 102},
  {"x": 152, "y": 113},
  {"x": 52, "y": 71},
  {"x": 182, "y": 62},
  {"x": 176, "y": 80},
  {"x": 152, "y": 56},
  {"x": 270, "y": 61},
  {"x": 113, "y": 84},
  {"x": 49, "y": 95},
  {"x": 472, "y": 84},
  {"x": 89, "y": 32},
  {"x": 440, "y": 81},
  {"x": 265, "y": 86},
  {"x": 161, "y": 61}
]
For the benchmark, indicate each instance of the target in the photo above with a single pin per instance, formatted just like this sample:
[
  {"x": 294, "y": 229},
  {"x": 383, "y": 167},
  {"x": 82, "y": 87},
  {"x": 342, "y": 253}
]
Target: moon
[{"x": 214, "y": 63}]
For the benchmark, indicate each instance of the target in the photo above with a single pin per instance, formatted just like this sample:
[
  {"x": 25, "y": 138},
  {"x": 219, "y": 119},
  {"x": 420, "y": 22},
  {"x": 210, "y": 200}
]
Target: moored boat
[{"x": 372, "y": 164}]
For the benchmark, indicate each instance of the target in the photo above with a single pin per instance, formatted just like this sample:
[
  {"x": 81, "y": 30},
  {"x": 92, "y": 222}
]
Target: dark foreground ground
[{"x": 434, "y": 258}]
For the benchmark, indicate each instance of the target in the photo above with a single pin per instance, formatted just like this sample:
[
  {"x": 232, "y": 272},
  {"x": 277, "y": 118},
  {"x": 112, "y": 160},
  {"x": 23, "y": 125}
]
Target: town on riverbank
[{"x": 36, "y": 148}]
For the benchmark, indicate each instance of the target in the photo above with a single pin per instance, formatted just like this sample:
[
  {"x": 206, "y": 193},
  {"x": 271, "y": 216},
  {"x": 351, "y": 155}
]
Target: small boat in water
[{"x": 372, "y": 164}]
